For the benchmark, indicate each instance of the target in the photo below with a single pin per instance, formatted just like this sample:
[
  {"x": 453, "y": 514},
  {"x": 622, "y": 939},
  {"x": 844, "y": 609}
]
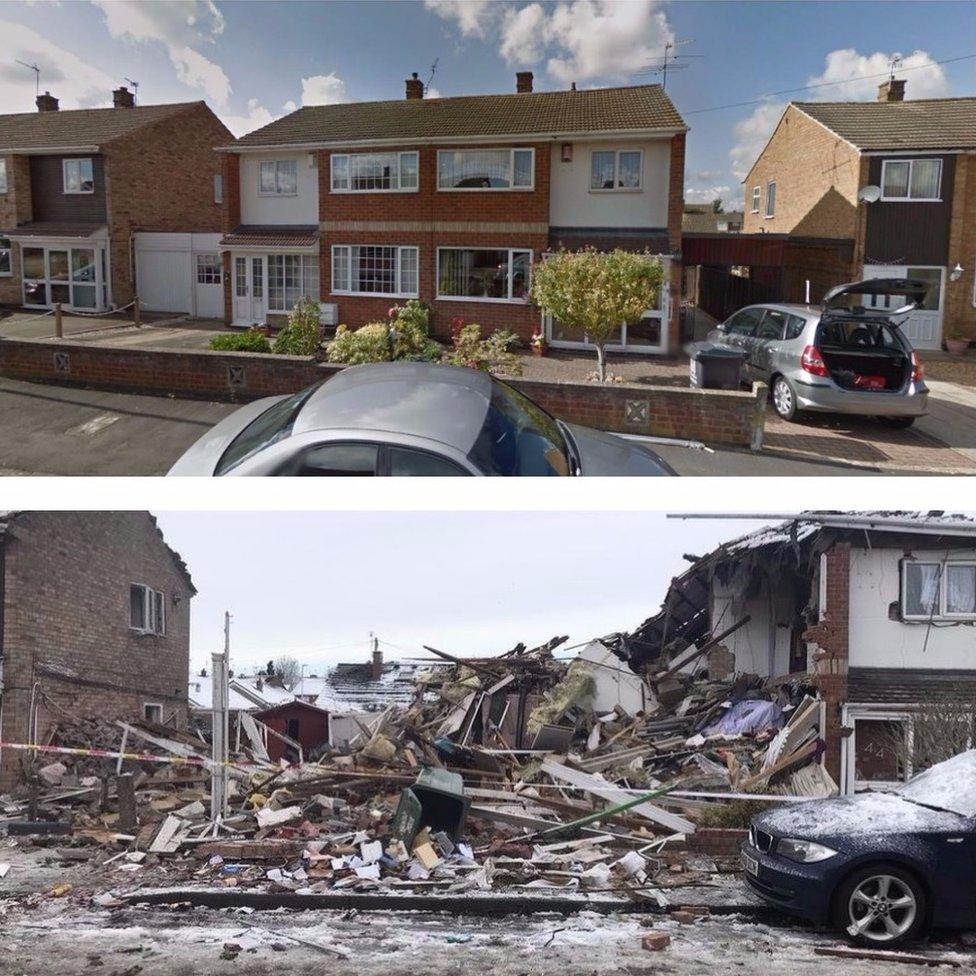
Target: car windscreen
[
  {"x": 519, "y": 438},
  {"x": 948, "y": 785},
  {"x": 858, "y": 335},
  {"x": 268, "y": 428}
]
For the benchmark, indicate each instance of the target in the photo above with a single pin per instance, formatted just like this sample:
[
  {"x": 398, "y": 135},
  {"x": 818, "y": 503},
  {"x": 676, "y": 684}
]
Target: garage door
[{"x": 163, "y": 272}]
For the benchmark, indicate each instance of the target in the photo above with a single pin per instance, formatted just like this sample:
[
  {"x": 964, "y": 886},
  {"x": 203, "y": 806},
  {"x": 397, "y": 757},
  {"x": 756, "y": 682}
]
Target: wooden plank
[
  {"x": 612, "y": 794},
  {"x": 886, "y": 955}
]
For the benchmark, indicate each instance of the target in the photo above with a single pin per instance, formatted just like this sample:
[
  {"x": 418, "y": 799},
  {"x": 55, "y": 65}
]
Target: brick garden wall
[
  {"x": 66, "y": 606},
  {"x": 714, "y": 416}
]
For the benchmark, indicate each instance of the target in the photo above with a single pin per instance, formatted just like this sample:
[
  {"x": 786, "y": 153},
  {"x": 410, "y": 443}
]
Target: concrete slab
[{"x": 952, "y": 417}]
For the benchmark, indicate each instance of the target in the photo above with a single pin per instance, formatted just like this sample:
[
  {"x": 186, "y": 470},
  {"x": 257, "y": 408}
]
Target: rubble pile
[{"x": 508, "y": 773}]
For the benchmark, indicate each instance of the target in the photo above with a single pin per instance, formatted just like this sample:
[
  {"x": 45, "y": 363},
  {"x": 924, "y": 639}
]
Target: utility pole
[{"x": 221, "y": 728}]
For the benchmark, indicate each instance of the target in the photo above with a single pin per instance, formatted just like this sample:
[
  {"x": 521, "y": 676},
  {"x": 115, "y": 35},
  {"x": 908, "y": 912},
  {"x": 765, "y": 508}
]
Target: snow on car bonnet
[{"x": 949, "y": 785}]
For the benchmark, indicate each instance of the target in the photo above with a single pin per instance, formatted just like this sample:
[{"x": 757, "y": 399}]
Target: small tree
[
  {"x": 597, "y": 292},
  {"x": 289, "y": 670},
  {"x": 940, "y": 729},
  {"x": 717, "y": 206}
]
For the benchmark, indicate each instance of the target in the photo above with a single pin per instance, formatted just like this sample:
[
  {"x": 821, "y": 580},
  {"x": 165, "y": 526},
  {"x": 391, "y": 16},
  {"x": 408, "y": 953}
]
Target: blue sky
[{"x": 255, "y": 61}]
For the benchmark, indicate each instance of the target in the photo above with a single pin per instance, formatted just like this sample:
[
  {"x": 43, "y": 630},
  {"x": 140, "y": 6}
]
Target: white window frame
[
  {"x": 768, "y": 214},
  {"x": 488, "y": 189},
  {"x": 276, "y": 163},
  {"x": 77, "y": 161},
  {"x": 9, "y": 249},
  {"x": 153, "y": 610},
  {"x": 616, "y": 172},
  {"x": 306, "y": 260},
  {"x": 850, "y": 714},
  {"x": 941, "y": 612},
  {"x": 908, "y": 198},
  {"x": 512, "y": 251},
  {"x": 3, "y": 175},
  {"x": 756, "y": 199},
  {"x": 145, "y": 712},
  {"x": 398, "y": 293},
  {"x": 348, "y": 157},
  {"x": 204, "y": 264}
]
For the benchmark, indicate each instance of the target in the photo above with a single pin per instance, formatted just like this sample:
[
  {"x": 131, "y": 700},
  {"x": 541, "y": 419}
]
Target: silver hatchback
[{"x": 848, "y": 356}]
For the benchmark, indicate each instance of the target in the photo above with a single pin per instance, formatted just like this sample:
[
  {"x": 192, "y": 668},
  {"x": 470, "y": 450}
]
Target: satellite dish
[{"x": 869, "y": 194}]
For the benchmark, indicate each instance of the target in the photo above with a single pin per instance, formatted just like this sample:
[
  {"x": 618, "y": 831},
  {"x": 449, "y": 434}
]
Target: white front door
[
  {"x": 249, "y": 289},
  {"x": 923, "y": 326}
]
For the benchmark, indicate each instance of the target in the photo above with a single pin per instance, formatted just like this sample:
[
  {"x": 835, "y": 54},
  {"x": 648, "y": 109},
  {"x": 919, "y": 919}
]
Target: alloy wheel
[
  {"x": 881, "y": 908},
  {"x": 782, "y": 398}
]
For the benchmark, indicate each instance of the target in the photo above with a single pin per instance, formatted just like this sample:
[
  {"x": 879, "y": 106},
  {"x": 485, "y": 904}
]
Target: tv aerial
[
  {"x": 666, "y": 62},
  {"x": 135, "y": 89},
  {"x": 37, "y": 75}
]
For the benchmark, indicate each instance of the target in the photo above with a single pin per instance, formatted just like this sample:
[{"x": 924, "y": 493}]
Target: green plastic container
[{"x": 436, "y": 800}]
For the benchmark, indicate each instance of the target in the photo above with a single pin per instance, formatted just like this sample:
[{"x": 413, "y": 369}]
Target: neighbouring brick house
[
  {"x": 94, "y": 621},
  {"x": 877, "y": 609},
  {"x": 97, "y": 205},
  {"x": 452, "y": 200},
  {"x": 919, "y": 220}
]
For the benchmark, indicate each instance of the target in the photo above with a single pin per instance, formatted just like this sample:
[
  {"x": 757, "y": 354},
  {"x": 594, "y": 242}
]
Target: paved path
[{"x": 952, "y": 417}]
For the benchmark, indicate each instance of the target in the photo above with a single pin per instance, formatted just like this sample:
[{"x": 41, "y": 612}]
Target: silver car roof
[{"x": 443, "y": 403}]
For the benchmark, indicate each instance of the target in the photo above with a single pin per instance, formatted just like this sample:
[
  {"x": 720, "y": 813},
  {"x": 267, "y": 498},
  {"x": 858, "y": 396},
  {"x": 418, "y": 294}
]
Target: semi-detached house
[
  {"x": 99, "y": 205},
  {"x": 452, "y": 201}
]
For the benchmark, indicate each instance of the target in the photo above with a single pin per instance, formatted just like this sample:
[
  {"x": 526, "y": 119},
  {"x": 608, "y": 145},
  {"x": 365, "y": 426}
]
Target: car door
[
  {"x": 740, "y": 330},
  {"x": 769, "y": 335}
]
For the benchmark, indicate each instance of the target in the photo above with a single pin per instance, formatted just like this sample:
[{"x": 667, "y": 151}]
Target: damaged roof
[{"x": 354, "y": 686}]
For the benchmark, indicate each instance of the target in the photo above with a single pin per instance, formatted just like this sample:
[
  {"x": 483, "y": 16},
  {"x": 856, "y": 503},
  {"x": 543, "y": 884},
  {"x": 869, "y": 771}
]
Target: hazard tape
[{"x": 108, "y": 754}]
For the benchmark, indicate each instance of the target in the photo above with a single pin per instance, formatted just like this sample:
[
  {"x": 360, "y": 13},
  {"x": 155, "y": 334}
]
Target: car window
[
  {"x": 744, "y": 322},
  {"x": 519, "y": 438},
  {"x": 405, "y": 463},
  {"x": 860, "y": 336},
  {"x": 772, "y": 325},
  {"x": 273, "y": 425},
  {"x": 336, "y": 461},
  {"x": 794, "y": 326}
]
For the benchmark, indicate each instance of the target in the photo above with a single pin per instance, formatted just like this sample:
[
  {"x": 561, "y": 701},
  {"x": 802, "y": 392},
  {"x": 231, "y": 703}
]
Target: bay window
[
  {"x": 616, "y": 169},
  {"x": 375, "y": 270},
  {"x": 911, "y": 179},
  {"x": 78, "y": 176},
  {"x": 278, "y": 177},
  {"x": 375, "y": 172},
  {"x": 291, "y": 277},
  {"x": 486, "y": 169},
  {"x": 938, "y": 591},
  {"x": 74, "y": 277},
  {"x": 489, "y": 275}
]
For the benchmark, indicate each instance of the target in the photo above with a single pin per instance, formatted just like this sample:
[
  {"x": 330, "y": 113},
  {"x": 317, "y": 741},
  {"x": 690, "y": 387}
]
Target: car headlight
[{"x": 804, "y": 851}]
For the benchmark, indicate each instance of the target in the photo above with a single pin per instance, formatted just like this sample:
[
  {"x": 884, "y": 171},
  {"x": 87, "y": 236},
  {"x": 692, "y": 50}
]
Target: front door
[
  {"x": 249, "y": 289},
  {"x": 923, "y": 326}
]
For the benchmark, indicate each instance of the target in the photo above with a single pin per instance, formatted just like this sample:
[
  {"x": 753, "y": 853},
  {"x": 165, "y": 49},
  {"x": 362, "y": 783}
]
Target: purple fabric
[{"x": 747, "y": 716}]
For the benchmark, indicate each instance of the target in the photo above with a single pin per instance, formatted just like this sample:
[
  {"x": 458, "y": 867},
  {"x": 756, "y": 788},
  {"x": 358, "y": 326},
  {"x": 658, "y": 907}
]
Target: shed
[{"x": 306, "y": 724}]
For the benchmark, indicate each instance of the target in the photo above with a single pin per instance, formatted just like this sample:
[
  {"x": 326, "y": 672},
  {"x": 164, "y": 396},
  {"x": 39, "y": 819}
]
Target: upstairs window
[
  {"x": 279, "y": 177},
  {"x": 5, "y": 257},
  {"x": 486, "y": 169},
  {"x": 147, "y": 610},
  {"x": 78, "y": 176},
  {"x": 610, "y": 170},
  {"x": 3, "y": 176},
  {"x": 375, "y": 172},
  {"x": 938, "y": 591},
  {"x": 771, "y": 198},
  {"x": 756, "y": 198},
  {"x": 911, "y": 179}
]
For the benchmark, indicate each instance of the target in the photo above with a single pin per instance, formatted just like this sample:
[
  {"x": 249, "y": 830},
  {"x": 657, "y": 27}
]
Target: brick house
[
  {"x": 810, "y": 182},
  {"x": 878, "y": 610},
  {"x": 97, "y": 205},
  {"x": 94, "y": 621},
  {"x": 452, "y": 200}
]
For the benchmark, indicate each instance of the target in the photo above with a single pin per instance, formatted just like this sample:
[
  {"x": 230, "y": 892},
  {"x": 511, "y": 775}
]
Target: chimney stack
[
  {"x": 46, "y": 103},
  {"x": 892, "y": 90},
  {"x": 523, "y": 81},
  {"x": 415, "y": 87},
  {"x": 123, "y": 98}
]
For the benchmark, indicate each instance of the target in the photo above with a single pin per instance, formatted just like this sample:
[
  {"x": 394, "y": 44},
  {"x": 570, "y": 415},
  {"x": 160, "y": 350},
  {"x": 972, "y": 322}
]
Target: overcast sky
[
  {"x": 314, "y": 584},
  {"x": 256, "y": 61}
]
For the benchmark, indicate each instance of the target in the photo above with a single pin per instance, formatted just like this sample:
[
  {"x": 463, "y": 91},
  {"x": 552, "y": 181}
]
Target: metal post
[
  {"x": 58, "y": 330},
  {"x": 136, "y": 319},
  {"x": 221, "y": 727}
]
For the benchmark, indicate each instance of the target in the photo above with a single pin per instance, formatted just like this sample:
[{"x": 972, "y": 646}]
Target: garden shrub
[
  {"x": 492, "y": 354},
  {"x": 302, "y": 336},
  {"x": 736, "y": 815},
  {"x": 251, "y": 341},
  {"x": 369, "y": 344}
]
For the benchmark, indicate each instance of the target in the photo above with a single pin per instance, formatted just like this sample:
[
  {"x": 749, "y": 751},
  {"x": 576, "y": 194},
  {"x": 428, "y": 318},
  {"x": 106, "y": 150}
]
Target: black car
[{"x": 881, "y": 866}]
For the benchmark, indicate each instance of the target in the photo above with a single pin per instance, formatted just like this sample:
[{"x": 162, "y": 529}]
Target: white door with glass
[
  {"x": 73, "y": 277},
  {"x": 923, "y": 326},
  {"x": 648, "y": 335},
  {"x": 249, "y": 289}
]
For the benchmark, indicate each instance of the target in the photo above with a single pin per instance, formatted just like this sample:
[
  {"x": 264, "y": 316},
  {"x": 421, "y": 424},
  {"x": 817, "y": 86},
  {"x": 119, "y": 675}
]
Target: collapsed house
[
  {"x": 94, "y": 621},
  {"x": 878, "y": 609}
]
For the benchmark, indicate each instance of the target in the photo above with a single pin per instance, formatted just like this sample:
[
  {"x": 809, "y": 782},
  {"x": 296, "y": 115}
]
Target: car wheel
[
  {"x": 784, "y": 398},
  {"x": 899, "y": 423},
  {"x": 881, "y": 906}
]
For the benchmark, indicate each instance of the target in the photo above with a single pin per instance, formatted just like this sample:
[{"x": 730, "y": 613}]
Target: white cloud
[
  {"x": 327, "y": 89},
  {"x": 524, "y": 35},
  {"x": 73, "y": 81},
  {"x": 473, "y": 17},
  {"x": 706, "y": 194},
  {"x": 432, "y": 92},
  {"x": 179, "y": 26},
  {"x": 857, "y": 77}
]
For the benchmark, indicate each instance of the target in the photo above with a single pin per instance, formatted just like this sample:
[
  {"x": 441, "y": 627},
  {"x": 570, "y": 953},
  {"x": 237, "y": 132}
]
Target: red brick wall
[
  {"x": 676, "y": 209},
  {"x": 15, "y": 208},
  {"x": 831, "y": 635},
  {"x": 66, "y": 605}
]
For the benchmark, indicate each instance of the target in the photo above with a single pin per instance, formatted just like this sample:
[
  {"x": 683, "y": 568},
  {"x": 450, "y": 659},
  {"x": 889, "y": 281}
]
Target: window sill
[
  {"x": 910, "y": 200},
  {"x": 352, "y": 193},
  {"x": 617, "y": 189},
  {"x": 260, "y": 194},
  {"x": 374, "y": 294},
  {"x": 483, "y": 301},
  {"x": 486, "y": 189},
  {"x": 77, "y": 193}
]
